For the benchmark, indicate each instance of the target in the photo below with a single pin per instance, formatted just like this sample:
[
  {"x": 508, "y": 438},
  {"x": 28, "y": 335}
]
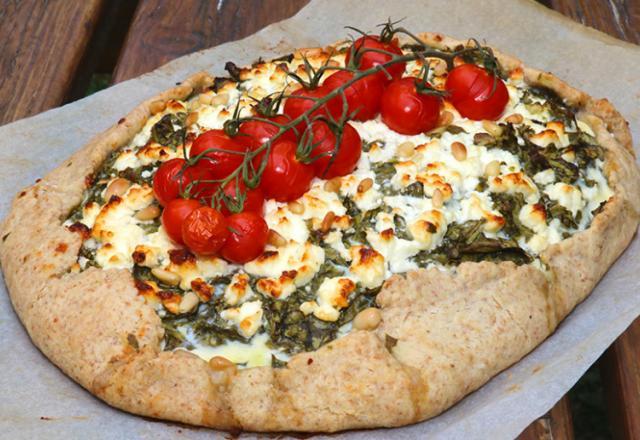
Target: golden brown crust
[{"x": 443, "y": 334}]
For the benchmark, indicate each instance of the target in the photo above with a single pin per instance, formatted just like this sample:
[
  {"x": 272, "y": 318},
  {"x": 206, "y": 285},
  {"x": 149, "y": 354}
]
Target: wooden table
[{"x": 64, "y": 41}]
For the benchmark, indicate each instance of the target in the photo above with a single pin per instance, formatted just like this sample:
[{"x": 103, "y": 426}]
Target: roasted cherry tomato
[
  {"x": 408, "y": 111},
  {"x": 168, "y": 182},
  {"x": 363, "y": 96},
  {"x": 369, "y": 59},
  {"x": 285, "y": 178},
  {"x": 174, "y": 214},
  {"x": 247, "y": 238},
  {"x": 303, "y": 99},
  {"x": 255, "y": 133},
  {"x": 204, "y": 230},
  {"x": 476, "y": 93},
  {"x": 253, "y": 201},
  {"x": 224, "y": 155},
  {"x": 347, "y": 154}
]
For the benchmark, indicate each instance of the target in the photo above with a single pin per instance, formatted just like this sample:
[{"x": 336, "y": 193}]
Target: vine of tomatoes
[{"x": 213, "y": 199}]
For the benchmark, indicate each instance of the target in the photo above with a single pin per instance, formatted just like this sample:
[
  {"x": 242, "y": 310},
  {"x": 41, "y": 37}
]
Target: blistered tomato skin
[
  {"x": 476, "y": 93},
  {"x": 303, "y": 99},
  {"x": 407, "y": 111},
  {"x": 253, "y": 134},
  {"x": 348, "y": 152},
  {"x": 204, "y": 231},
  {"x": 247, "y": 238},
  {"x": 253, "y": 198},
  {"x": 174, "y": 214},
  {"x": 369, "y": 59},
  {"x": 223, "y": 154},
  {"x": 173, "y": 178},
  {"x": 363, "y": 96},
  {"x": 285, "y": 178}
]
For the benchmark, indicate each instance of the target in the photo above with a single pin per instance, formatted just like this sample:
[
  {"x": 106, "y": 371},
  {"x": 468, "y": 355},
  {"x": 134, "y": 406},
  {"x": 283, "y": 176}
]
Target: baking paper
[{"x": 38, "y": 401}]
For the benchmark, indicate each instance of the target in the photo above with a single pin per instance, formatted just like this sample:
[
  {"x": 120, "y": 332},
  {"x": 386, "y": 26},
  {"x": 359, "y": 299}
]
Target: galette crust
[{"x": 450, "y": 332}]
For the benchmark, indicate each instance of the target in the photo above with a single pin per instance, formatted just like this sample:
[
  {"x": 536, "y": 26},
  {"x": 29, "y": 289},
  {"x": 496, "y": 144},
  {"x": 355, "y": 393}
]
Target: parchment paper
[{"x": 38, "y": 401}]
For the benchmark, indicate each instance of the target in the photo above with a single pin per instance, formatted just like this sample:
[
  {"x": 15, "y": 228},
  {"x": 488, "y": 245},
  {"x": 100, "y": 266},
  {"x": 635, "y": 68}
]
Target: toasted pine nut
[
  {"x": 157, "y": 107},
  {"x": 437, "y": 199},
  {"x": 205, "y": 98},
  {"x": 170, "y": 278},
  {"x": 459, "y": 151},
  {"x": 406, "y": 149},
  {"x": 220, "y": 99},
  {"x": 221, "y": 363},
  {"x": 492, "y": 168},
  {"x": 482, "y": 138},
  {"x": 367, "y": 319},
  {"x": 276, "y": 239},
  {"x": 327, "y": 221},
  {"x": 515, "y": 118},
  {"x": 116, "y": 188},
  {"x": 189, "y": 302},
  {"x": 492, "y": 128},
  {"x": 148, "y": 213},
  {"x": 365, "y": 185},
  {"x": 192, "y": 118},
  {"x": 446, "y": 118},
  {"x": 296, "y": 207},
  {"x": 535, "y": 108},
  {"x": 332, "y": 185}
]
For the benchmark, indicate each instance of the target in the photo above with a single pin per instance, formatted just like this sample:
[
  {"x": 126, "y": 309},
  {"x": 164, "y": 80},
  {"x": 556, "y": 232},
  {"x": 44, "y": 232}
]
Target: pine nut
[
  {"x": 192, "y": 118},
  {"x": 492, "y": 128},
  {"x": 406, "y": 149},
  {"x": 296, "y": 207},
  {"x": 148, "y": 213},
  {"x": 117, "y": 188},
  {"x": 276, "y": 239},
  {"x": 220, "y": 99},
  {"x": 492, "y": 168},
  {"x": 220, "y": 363},
  {"x": 157, "y": 107},
  {"x": 459, "y": 151},
  {"x": 333, "y": 185},
  {"x": 535, "y": 108},
  {"x": 169, "y": 278},
  {"x": 327, "y": 221},
  {"x": 482, "y": 139},
  {"x": 365, "y": 185},
  {"x": 437, "y": 199},
  {"x": 446, "y": 118},
  {"x": 188, "y": 302},
  {"x": 367, "y": 319},
  {"x": 515, "y": 118}
]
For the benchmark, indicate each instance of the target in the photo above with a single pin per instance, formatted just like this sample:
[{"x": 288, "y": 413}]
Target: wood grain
[
  {"x": 619, "y": 18},
  {"x": 162, "y": 31},
  {"x": 555, "y": 425},
  {"x": 42, "y": 45},
  {"x": 620, "y": 369}
]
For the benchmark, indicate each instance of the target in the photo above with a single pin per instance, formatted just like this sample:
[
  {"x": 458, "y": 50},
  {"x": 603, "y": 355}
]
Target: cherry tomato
[
  {"x": 247, "y": 239},
  {"x": 174, "y": 214},
  {"x": 254, "y": 198},
  {"x": 407, "y": 111},
  {"x": 285, "y": 178},
  {"x": 471, "y": 91},
  {"x": 204, "y": 230},
  {"x": 253, "y": 134},
  {"x": 302, "y": 100},
  {"x": 168, "y": 182},
  {"x": 370, "y": 59},
  {"x": 363, "y": 96},
  {"x": 348, "y": 153},
  {"x": 220, "y": 163}
]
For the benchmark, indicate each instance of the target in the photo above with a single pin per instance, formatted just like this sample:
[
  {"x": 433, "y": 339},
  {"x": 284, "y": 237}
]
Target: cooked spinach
[
  {"x": 170, "y": 131},
  {"x": 509, "y": 206}
]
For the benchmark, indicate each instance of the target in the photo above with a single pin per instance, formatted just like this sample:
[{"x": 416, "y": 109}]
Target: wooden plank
[
  {"x": 162, "y": 31},
  {"x": 620, "y": 370},
  {"x": 42, "y": 45},
  {"x": 619, "y": 18},
  {"x": 555, "y": 425}
]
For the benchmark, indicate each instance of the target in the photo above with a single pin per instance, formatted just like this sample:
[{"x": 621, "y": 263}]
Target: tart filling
[{"x": 468, "y": 190}]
